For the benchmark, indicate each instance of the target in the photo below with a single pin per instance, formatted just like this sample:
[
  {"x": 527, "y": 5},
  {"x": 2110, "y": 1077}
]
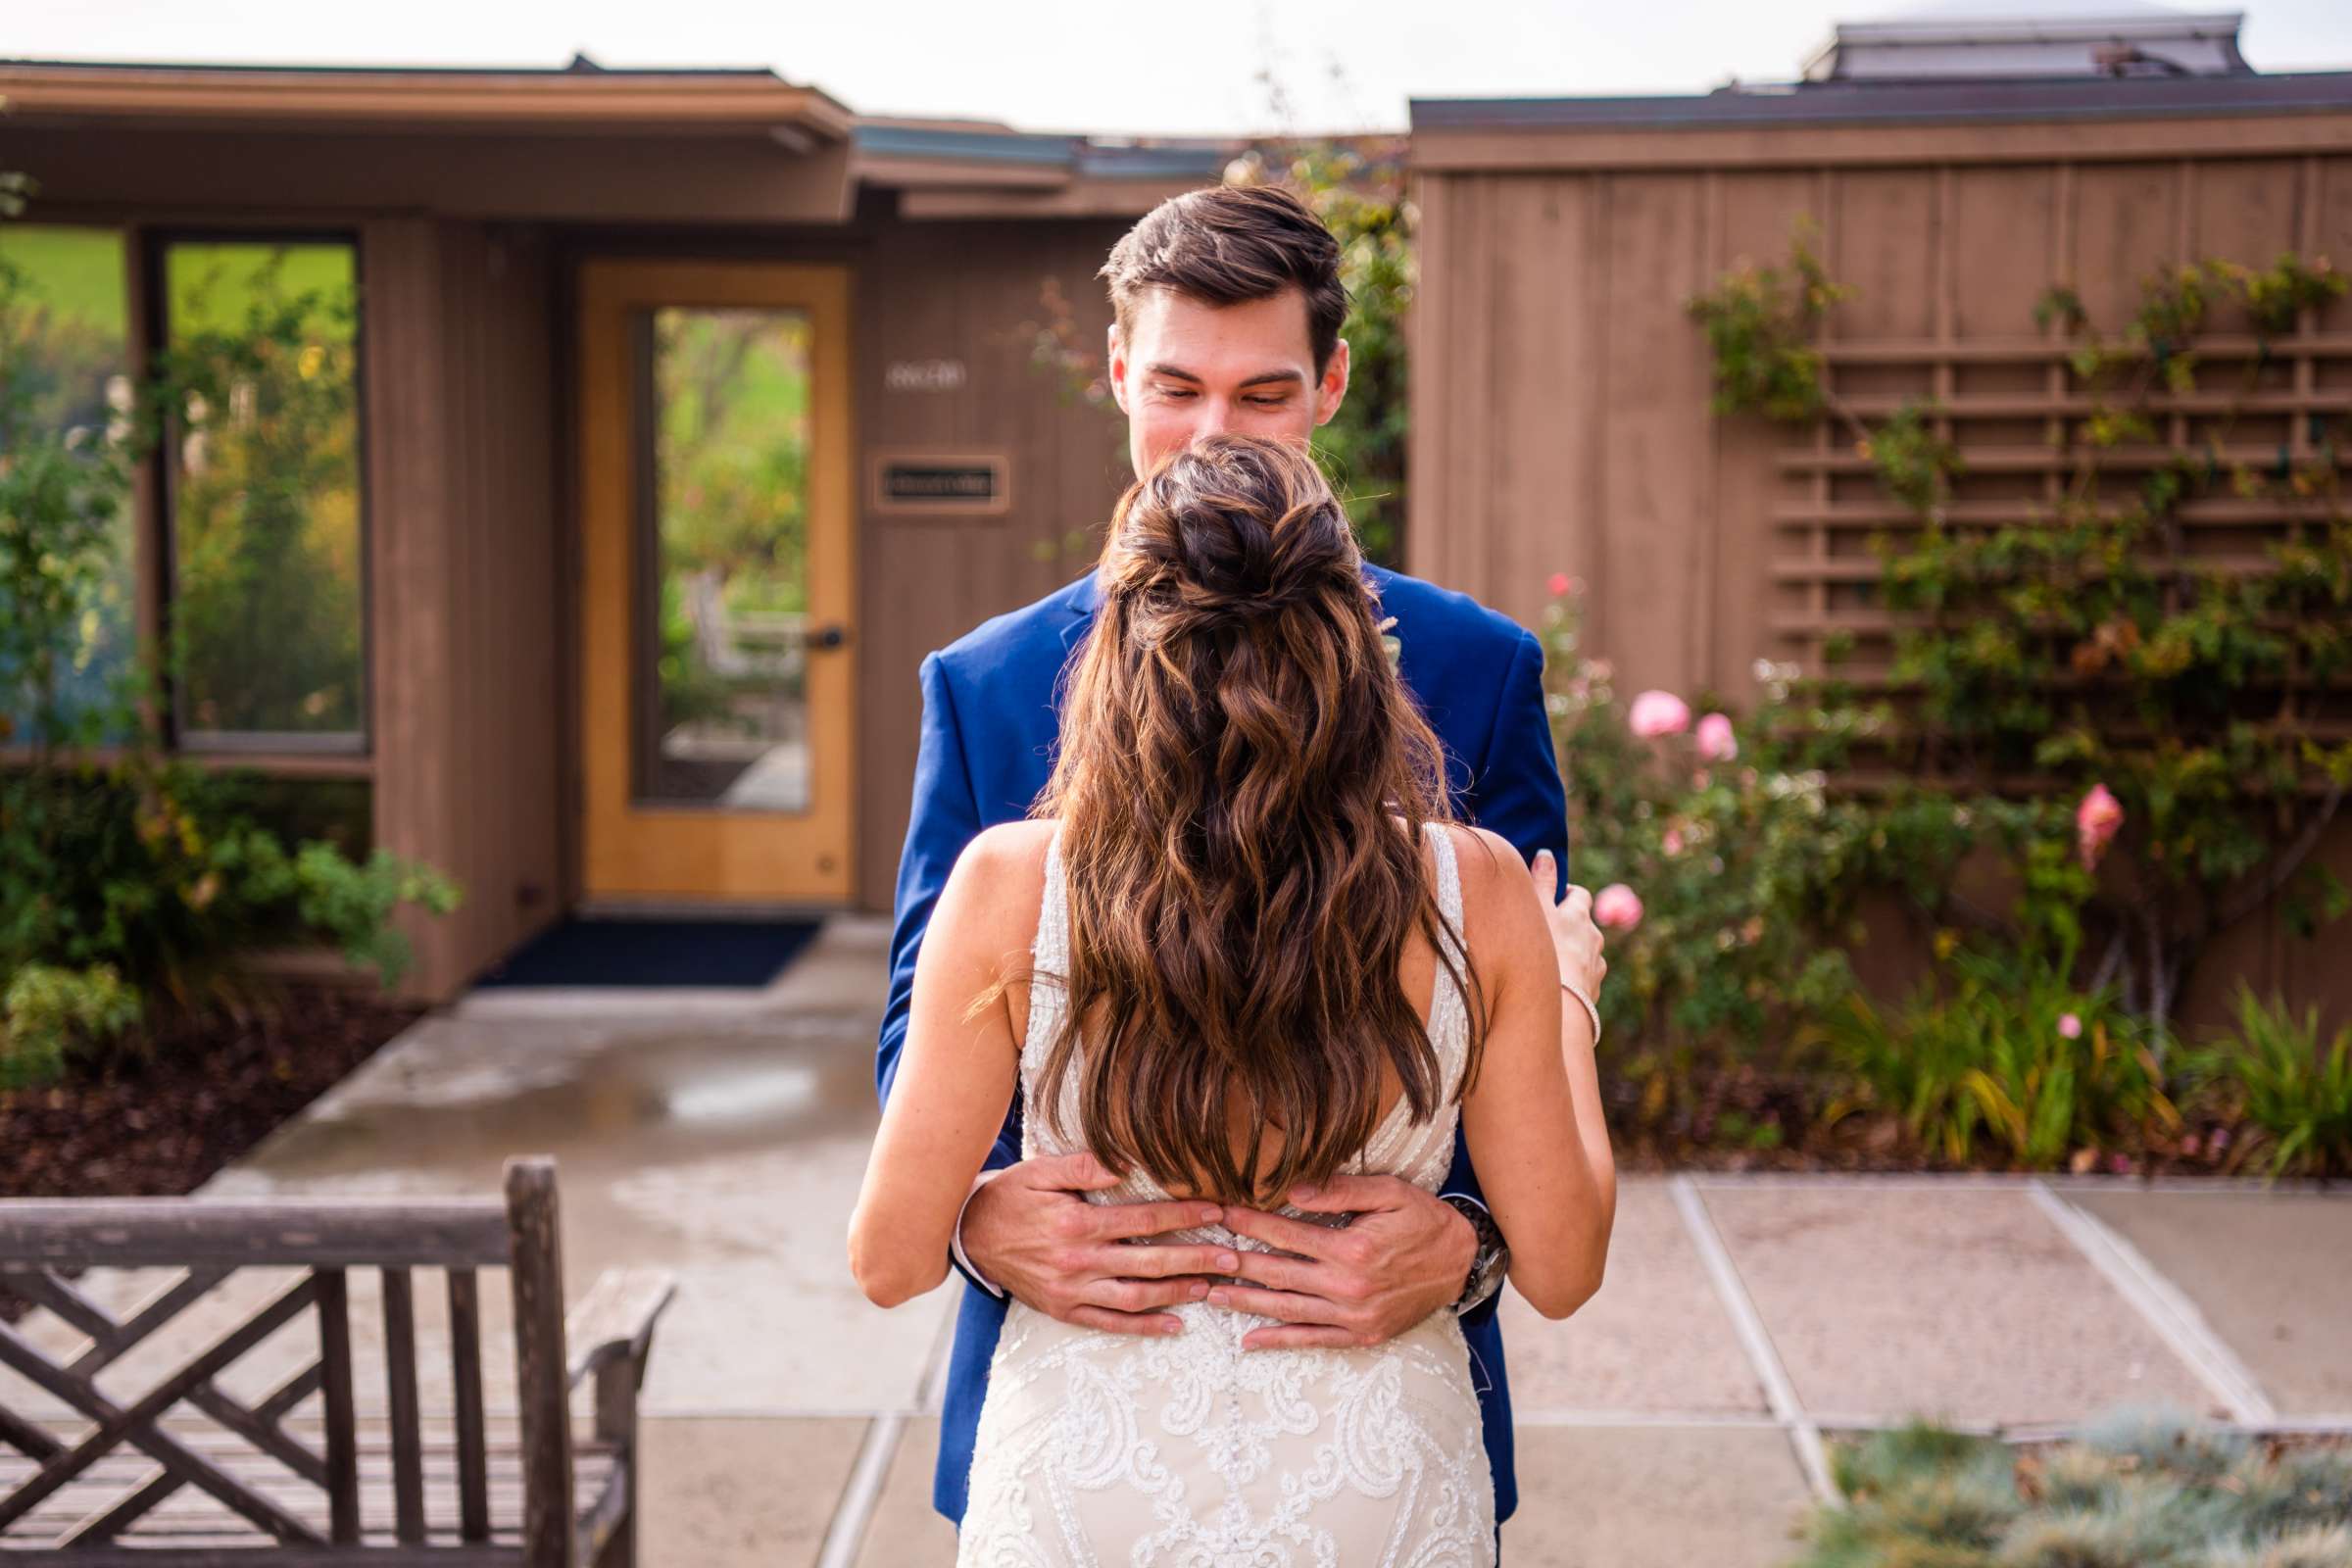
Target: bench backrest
[{"x": 212, "y": 1237}]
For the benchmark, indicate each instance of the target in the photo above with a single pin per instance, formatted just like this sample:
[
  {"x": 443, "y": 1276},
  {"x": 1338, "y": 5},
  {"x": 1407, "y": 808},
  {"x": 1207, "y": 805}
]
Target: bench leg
[{"x": 617, "y": 1384}]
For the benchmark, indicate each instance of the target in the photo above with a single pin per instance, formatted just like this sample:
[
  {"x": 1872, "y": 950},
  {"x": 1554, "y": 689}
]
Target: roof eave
[{"x": 581, "y": 103}]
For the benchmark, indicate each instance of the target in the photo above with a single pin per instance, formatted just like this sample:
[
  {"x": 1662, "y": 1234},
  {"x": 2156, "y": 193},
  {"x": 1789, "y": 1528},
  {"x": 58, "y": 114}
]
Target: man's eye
[
  {"x": 1267, "y": 403},
  {"x": 1175, "y": 392}
]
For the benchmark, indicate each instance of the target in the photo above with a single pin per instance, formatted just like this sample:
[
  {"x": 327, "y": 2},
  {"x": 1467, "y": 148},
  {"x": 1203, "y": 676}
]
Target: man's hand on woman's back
[{"x": 1029, "y": 1231}]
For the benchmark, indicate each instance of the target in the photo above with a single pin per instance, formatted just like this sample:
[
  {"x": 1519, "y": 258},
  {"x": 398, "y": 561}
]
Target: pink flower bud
[
  {"x": 1655, "y": 713},
  {"x": 1715, "y": 741},
  {"x": 1617, "y": 906},
  {"x": 1558, "y": 584},
  {"x": 1672, "y": 843},
  {"x": 2069, "y": 1026},
  {"x": 2096, "y": 821}
]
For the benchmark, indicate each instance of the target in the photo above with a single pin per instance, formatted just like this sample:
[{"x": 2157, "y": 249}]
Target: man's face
[{"x": 1194, "y": 369}]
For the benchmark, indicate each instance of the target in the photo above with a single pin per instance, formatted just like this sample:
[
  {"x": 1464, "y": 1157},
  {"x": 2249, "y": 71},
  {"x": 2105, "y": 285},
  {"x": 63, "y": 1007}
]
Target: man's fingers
[
  {"x": 1301, "y": 1337},
  {"x": 1283, "y": 1273},
  {"x": 1080, "y": 1172},
  {"x": 1151, "y": 1325},
  {"x": 1118, "y": 1221},
  {"x": 1158, "y": 1261},
  {"x": 1354, "y": 1195},
  {"x": 1291, "y": 1235},
  {"x": 1284, "y": 1304},
  {"x": 1140, "y": 1295}
]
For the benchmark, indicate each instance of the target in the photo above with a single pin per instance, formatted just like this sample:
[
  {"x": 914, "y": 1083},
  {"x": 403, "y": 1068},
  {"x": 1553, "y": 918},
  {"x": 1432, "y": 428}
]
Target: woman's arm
[
  {"x": 955, "y": 1079},
  {"x": 1543, "y": 1151}
]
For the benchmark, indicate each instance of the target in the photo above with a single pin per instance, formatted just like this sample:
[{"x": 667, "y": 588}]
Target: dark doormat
[{"x": 654, "y": 952}]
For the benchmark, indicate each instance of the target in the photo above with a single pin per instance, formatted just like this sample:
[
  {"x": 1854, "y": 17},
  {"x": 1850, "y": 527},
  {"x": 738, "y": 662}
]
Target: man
[{"x": 1228, "y": 306}]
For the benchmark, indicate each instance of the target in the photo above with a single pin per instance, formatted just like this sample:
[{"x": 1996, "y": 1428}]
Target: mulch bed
[
  {"x": 160, "y": 1122},
  {"x": 210, "y": 1087}
]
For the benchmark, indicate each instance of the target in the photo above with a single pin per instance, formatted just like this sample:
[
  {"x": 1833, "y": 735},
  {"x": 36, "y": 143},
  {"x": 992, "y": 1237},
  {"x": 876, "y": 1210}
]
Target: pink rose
[
  {"x": 2096, "y": 821},
  {"x": 1617, "y": 906},
  {"x": 2069, "y": 1026},
  {"x": 1559, "y": 583},
  {"x": 1715, "y": 741},
  {"x": 1672, "y": 843},
  {"x": 1655, "y": 713}
]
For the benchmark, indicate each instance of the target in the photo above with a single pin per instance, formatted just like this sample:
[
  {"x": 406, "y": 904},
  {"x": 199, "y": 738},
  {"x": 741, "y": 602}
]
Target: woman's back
[{"x": 1192, "y": 1449}]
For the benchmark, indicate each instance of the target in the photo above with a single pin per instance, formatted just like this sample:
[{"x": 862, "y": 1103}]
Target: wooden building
[
  {"x": 690, "y": 410},
  {"x": 1561, "y": 393}
]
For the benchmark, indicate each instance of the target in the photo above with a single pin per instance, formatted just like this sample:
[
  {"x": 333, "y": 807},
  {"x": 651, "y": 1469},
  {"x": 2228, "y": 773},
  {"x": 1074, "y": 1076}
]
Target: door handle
[{"x": 833, "y": 636}]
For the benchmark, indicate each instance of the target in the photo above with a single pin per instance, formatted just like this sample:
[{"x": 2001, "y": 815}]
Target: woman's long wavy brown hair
[{"x": 1233, "y": 744}]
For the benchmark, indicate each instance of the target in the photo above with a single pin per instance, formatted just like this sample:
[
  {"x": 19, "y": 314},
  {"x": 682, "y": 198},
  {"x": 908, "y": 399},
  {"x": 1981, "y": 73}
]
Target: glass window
[
  {"x": 265, "y": 604},
  {"x": 64, "y": 386},
  {"x": 726, "y": 539}
]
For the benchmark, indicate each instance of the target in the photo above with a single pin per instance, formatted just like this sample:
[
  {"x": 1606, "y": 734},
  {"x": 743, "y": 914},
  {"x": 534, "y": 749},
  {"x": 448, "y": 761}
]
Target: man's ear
[
  {"x": 1332, "y": 390},
  {"x": 1115, "y": 364}
]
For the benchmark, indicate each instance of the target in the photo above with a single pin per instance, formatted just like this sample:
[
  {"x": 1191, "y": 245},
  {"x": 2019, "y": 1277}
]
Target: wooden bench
[{"x": 233, "y": 1482}]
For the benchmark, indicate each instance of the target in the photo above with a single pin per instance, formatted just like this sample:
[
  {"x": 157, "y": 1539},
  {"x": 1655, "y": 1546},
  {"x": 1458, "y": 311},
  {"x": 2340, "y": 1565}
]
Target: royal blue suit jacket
[{"x": 990, "y": 721}]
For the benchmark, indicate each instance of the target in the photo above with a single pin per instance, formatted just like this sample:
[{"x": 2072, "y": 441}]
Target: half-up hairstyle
[{"x": 1233, "y": 742}]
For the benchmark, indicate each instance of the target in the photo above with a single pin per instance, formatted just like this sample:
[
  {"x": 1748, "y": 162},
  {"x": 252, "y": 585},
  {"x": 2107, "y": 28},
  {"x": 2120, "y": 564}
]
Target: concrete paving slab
[
  {"x": 1965, "y": 1303},
  {"x": 1653, "y": 1497},
  {"x": 2271, "y": 1274},
  {"x": 738, "y": 1491},
  {"x": 905, "y": 1531},
  {"x": 1654, "y": 1340}
]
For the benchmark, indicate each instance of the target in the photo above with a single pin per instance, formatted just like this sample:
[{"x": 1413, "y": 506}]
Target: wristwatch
[{"x": 1493, "y": 1255}]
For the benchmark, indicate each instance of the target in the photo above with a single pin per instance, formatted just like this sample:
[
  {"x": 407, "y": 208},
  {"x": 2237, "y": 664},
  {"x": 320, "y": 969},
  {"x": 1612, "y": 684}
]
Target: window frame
[{"x": 341, "y": 753}]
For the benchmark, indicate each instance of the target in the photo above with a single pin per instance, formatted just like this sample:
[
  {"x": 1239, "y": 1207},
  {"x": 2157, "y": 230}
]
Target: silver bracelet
[{"x": 1590, "y": 1010}]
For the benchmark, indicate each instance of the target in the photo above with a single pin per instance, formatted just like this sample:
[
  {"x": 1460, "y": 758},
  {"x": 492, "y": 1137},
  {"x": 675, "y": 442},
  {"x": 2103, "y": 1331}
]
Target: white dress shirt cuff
[{"x": 956, "y": 1242}]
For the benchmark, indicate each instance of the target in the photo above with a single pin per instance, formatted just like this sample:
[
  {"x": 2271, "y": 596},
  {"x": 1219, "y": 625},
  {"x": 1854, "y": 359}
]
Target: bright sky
[{"x": 1061, "y": 65}]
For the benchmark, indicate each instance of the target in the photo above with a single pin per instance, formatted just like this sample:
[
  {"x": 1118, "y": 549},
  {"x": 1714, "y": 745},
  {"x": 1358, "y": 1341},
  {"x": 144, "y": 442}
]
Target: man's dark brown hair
[{"x": 1227, "y": 244}]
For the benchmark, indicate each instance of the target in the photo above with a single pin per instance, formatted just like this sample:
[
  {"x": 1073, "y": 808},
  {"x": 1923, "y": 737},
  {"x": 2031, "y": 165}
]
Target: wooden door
[{"x": 716, "y": 641}]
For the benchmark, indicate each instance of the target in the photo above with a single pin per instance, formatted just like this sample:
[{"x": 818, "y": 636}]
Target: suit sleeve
[
  {"x": 945, "y": 817},
  {"x": 1518, "y": 795}
]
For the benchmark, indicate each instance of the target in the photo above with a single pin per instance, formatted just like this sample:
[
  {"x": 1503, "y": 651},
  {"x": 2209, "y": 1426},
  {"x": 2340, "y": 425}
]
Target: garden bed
[
  {"x": 214, "y": 1086},
  {"x": 1721, "y": 1115}
]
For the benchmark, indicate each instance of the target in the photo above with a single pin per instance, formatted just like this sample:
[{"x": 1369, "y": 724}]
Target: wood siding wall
[
  {"x": 962, "y": 290},
  {"x": 465, "y": 586},
  {"x": 1561, "y": 419}
]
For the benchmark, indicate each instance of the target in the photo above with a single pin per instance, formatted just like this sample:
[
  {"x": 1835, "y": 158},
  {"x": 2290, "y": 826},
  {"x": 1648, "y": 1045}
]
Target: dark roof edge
[
  {"x": 1830, "y": 103},
  {"x": 247, "y": 69}
]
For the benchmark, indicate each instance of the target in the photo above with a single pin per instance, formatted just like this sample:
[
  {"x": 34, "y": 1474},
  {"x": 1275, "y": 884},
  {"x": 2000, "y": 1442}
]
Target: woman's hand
[{"x": 1575, "y": 938}]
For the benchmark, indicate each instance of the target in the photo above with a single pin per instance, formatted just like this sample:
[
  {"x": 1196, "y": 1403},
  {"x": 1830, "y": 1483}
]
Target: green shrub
[
  {"x": 2005, "y": 1051},
  {"x": 2292, "y": 1101},
  {"x": 2135, "y": 1490},
  {"x": 1723, "y": 879},
  {"x": 46, "y": 1011}
]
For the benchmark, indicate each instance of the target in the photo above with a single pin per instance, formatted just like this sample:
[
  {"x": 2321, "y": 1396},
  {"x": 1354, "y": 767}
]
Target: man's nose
[{"x": 1216, "y": 418}]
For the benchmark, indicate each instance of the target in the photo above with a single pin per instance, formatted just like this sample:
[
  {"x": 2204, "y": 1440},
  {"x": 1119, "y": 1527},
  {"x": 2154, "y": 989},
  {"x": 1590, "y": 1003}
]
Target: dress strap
[
  {"x": 1053, "y": 948},
  {"x": 1450, "y": 887}
]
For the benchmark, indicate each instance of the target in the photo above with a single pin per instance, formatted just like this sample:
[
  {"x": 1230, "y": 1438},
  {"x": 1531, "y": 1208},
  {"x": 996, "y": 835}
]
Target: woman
[{"x": 1239, "y": 947}]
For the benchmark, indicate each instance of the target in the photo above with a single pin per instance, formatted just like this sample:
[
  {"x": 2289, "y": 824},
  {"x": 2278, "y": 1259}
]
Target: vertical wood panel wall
[
  {"x": 962, "y": 290},
  {"x": 1561, "y": 402},
  {"x": 463, "y": 581}
]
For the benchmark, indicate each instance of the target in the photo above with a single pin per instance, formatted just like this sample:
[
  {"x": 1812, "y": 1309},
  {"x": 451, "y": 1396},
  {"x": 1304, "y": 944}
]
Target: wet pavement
[{"x": 1676, "y": 1419}]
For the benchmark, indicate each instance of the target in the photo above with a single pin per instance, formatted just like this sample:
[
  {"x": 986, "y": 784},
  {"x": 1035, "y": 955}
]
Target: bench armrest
[{"x": 615, "y": 1318}]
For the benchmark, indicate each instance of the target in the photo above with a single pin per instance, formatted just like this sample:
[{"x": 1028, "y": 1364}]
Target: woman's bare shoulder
[{"x": 1001, "y": 877}]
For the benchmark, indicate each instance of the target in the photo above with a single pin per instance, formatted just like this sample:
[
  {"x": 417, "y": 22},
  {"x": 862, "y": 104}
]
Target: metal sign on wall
[{"x": 940, "y": 484}]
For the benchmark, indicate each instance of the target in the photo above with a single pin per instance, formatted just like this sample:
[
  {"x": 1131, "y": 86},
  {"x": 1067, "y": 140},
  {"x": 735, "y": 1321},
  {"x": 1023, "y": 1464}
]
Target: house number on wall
[{"x": 923, "y": 376}]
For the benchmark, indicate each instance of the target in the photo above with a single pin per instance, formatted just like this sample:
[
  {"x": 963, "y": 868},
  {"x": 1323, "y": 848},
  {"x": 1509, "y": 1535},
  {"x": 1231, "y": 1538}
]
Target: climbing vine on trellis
[{"x": 2085, "y": 643}]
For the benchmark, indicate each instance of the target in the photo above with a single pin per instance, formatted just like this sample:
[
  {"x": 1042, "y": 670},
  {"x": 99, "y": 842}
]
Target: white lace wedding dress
[{"x": 1187, "y": 1451}]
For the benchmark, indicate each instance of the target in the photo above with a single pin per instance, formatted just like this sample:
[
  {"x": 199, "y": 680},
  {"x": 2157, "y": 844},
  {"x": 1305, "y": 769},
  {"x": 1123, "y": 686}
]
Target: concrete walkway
[{"x": 1676, "y": 1419}]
